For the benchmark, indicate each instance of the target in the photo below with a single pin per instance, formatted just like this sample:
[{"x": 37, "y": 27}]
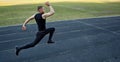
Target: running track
[{"x": 80, "y": 40}]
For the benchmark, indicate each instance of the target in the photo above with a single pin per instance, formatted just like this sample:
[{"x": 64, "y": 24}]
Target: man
[{"x": 40, "y": 18}]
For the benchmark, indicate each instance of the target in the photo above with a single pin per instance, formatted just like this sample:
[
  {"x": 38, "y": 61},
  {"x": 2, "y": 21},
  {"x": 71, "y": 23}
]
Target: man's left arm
[{"x": 50, "y": 13}]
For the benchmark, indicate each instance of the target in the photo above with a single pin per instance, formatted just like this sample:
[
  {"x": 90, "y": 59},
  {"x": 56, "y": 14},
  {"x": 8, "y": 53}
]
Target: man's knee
[{"x": 49, "y": 30}]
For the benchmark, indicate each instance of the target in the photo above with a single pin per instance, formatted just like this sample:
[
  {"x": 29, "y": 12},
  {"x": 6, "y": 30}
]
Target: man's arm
[
  {"x": 50, "y": 13},
  {"x": 26, "y": 21}
]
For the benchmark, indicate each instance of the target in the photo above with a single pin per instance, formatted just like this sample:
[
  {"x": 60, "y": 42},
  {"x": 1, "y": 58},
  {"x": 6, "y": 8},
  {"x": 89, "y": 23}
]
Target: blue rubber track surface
[{"x": 80, "y": 40}]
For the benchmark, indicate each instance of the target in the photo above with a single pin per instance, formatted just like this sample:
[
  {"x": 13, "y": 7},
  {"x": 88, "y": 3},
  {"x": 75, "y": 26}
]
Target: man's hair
[{"x": 39, "y": 7}]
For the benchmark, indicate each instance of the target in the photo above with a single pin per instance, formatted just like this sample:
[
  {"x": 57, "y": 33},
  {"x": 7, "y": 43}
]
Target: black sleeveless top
[{"x": 40, "y": 22}]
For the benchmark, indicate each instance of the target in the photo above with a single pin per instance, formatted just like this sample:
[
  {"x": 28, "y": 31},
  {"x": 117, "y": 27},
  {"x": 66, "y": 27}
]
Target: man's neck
[{"x": 41, "y": 12}]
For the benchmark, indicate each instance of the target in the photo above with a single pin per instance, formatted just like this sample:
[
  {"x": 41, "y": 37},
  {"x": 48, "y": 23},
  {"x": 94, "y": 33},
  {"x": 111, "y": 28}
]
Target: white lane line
[
  {"x": 15, "y": 40},
  {"x": 99, "y": 17},
  {"x": 60, "y": 27},
  {"x": 51, "y": 23},
  {"x": 19, "y": 33},
  {"x": 98, "y": 27},
  {"x": 38, "y": 44},
  {"x": 118, "y": 31},
  {"x": 36, "y": 25},
  {"x": 106, "y": 26},
  {"x": 31, "y": 37},
  {"x": 112, "y": 26},
  {"x": 105, "y": 22},
  {"x": 7, "y": 50}
]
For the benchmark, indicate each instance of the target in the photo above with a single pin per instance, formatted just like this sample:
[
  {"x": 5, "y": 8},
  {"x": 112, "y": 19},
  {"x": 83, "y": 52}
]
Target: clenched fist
[
  {"x": 23, "y": 28},
  {"x": 47, "y": 3}
]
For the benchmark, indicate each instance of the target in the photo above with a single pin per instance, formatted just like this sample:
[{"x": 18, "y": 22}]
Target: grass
[
  {"x": 15, "y": 2},
  {"x": 14, "y": 15}
]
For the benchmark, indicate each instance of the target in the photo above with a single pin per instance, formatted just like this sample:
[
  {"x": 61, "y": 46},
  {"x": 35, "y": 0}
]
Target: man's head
[{"x": 40, "y": 9}]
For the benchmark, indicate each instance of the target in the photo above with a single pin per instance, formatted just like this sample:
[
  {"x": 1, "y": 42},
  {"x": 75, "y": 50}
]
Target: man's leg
[
  {"x": 39, "y": 36},
  {"x": 50, "y": 31}
]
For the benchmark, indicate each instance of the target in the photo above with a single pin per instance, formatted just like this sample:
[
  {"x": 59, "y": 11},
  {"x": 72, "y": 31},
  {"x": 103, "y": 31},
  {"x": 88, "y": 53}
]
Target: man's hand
[
  {"x": 47, "y": 3},
  {"x": 23, "y": 28}
]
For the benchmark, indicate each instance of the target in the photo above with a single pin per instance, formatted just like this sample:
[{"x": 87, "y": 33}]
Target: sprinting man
[{"x": 40, "y": 18}]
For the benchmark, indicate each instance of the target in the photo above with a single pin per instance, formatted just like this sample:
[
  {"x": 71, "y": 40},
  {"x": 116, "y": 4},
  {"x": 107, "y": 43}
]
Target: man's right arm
[{"x": 26, "y": 21}]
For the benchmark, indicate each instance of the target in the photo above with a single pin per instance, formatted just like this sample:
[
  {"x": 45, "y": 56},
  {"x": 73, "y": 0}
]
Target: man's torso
[{"x": 40, "y": 22}]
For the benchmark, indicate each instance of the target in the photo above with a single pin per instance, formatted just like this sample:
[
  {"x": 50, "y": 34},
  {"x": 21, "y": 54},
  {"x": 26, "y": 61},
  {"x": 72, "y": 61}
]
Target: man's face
[{"x": 41, "y": 10}]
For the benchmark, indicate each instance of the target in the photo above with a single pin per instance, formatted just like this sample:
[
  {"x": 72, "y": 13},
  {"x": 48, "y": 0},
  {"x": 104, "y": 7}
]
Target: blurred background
[
  {"x": 16, "y": 2},
  {"x": 15, "y": 12}
]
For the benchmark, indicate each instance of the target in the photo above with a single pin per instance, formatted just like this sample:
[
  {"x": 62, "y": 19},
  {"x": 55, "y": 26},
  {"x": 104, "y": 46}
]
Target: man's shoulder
[{"x": 37, "y": 14}]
